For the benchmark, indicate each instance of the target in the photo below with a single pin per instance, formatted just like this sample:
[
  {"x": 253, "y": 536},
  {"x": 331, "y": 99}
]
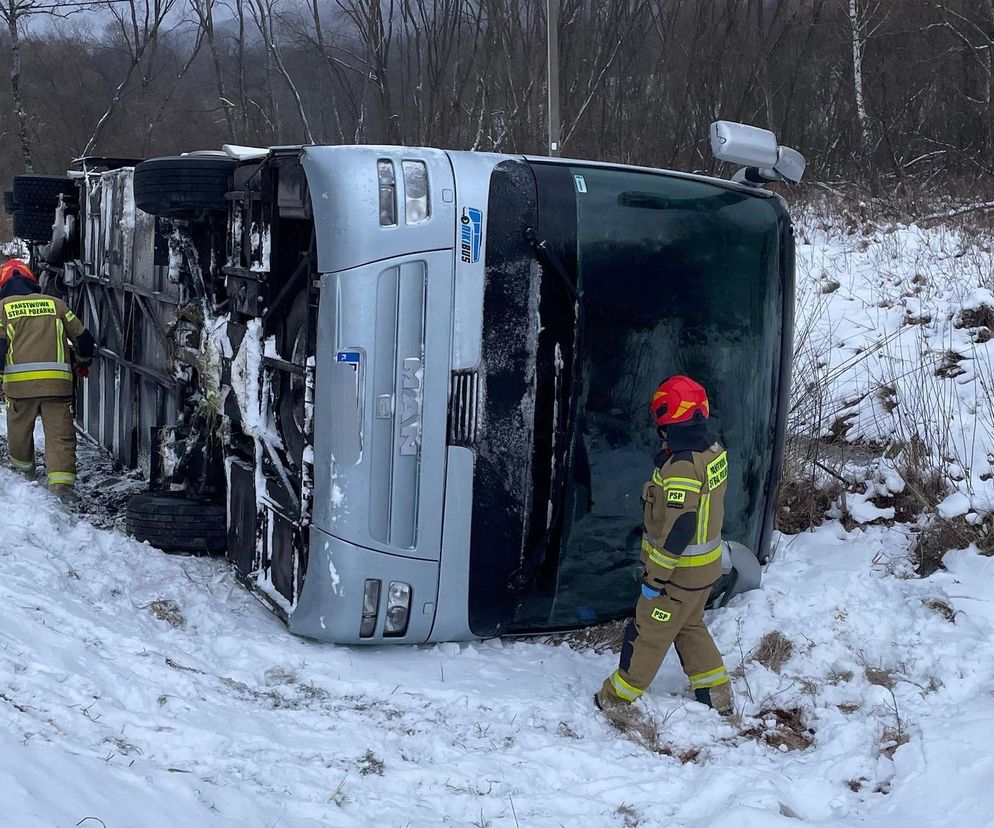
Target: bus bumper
[{"x": 330, "y": 607}]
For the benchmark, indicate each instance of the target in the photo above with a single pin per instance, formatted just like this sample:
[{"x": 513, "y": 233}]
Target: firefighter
[
  {"x": 37, "y": 378},
  {"x": 683, "y": 508}
]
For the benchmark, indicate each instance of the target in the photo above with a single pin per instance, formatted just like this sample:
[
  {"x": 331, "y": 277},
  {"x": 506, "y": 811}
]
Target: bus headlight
[
  {"x": 398, "y": 608},
  {"x": 370, "y": 608},
  {"x": 388, "y": 192},
  {"x": 416, "y": 203}
]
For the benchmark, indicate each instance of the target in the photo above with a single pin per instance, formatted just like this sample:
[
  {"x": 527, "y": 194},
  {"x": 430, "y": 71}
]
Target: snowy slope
[
  {"x": 146, "y": 690},
  {"x": 227, "y": 720},
  {"x": 889, "y": 347}
]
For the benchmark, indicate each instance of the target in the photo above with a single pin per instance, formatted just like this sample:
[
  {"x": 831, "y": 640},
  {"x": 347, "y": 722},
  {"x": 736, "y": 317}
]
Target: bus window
[{"x": 677, "y": 276}]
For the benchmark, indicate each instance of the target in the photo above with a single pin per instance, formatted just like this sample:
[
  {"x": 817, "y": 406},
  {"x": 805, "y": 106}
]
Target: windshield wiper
[{"x": 525, "y": 574}]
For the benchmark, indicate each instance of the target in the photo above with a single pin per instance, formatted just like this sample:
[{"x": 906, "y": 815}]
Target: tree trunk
[
  {"x": 15, "y": 87},
  {"x": 858, "y": 28},
  {"x": 242, "y": 94}
]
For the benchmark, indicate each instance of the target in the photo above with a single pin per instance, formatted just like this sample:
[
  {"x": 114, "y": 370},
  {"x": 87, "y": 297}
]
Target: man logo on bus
[
  {"x": 410, "y": 407},
  {"x": 470, "y": 235}
]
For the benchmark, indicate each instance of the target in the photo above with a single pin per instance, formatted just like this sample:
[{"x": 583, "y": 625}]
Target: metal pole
[{"x": 552, "y": 76}]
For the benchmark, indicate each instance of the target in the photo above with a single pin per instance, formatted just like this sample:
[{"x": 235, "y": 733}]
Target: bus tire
[
  {"x": 41, "y": 192},
  {"x": 33, "y": 224},
  {"x": 183, "y": 186},
  {"x": 177, "y": 524},
  {"x": 8, "y": 202}
]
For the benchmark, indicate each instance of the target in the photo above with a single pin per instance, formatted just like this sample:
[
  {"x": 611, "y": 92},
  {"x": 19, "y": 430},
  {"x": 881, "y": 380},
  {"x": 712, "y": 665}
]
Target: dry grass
[
  {"x": 924, "y": 489},
  {"x": 642, "y": 728},
  {"x": 637, "y": 725},
  {"x": 840, "y": 676},
  {"x": 370, "y": 763},
  {"x": 781, "y": 729},
  {"x": 773, "y": 651},
  {"x": 941, "y": 607},
  {"x": 979, "y": 319},
  {"x": 602, "y": 638},
  {"x": 167, "y": 610},
  {"x": 630, "y": 817},
  {"x": 950, "y": 367},
  {"x": 943, "y": 535},
  {"x": 880, "y": 677},
  {"x": 801, "y": 504},
  {"x": 891, "y": 739}
]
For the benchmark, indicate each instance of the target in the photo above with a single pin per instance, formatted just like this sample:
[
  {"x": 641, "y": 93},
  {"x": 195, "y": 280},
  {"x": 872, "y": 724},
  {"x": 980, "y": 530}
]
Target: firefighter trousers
[
  {"x": 673, "y": 617},
  {"x": 60, "y": 437}
]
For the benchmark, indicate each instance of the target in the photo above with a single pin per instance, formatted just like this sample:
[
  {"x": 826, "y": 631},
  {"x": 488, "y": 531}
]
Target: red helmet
[
  {"x": 677, "y": 400},
  {"x": 12, "y": 268}
]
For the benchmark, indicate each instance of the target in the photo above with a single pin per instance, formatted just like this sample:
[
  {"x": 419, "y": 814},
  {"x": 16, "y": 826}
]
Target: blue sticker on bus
[
  {"x": 471, "y": 235},
  {"x": 349, "y": 356}
]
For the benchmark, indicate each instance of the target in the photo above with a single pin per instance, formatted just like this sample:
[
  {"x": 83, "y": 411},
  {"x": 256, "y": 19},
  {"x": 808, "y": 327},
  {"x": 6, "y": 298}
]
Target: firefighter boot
[
  {"x": 67, "y": 494},
  {"x": 607, "y": 700},
  {"x": 718, "y": 698}
]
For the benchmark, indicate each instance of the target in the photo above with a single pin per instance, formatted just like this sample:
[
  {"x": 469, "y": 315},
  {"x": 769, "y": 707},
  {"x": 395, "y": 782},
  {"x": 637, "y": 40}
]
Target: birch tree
[
  {"x": 860, "y": 29},
  {"x": 14, "y": 12}
]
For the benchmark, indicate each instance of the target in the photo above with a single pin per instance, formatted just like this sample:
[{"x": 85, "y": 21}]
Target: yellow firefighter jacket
[
  {"x": 684, "y": 507},
  {"x": 36, "y": 330}
]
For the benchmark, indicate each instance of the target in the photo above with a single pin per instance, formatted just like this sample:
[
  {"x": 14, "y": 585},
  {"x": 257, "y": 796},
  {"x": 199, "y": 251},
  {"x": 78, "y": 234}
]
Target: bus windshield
[{"x": 677, "y": 276}]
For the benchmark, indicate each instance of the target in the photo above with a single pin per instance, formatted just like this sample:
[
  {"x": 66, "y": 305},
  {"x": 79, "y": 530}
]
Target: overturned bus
[{"x": 406, "y": 389}]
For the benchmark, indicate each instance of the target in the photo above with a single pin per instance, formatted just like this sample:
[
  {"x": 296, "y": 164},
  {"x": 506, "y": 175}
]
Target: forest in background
[{"x": 886, "y": 96}]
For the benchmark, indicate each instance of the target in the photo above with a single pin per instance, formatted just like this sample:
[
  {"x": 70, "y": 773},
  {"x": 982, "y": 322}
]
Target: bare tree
[
  {"x": 374, "y": 22},
  {"x": 139, "y": 23},
  {"x": 204, "y": 11},
  {"x": 871, "y": 96},
  {"x": 13, "y": 13},
  {"x": 263, "y": 12},
  {"x": 859, "y": 15}
]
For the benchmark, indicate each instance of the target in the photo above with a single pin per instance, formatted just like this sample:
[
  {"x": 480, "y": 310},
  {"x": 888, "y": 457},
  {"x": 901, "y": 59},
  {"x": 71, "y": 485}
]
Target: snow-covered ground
[
  {"x": 895, "y": 352},
  {"x": 146, "y": 690}
]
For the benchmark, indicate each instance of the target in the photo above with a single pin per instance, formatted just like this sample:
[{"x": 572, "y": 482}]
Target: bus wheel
[
  {"x": 183, "y": 186},
  {"x": 8, "y": 202},
  {"x": 33, "y": 225},
  {"x": 41, "y": 192},
  {"x": 177, "y": 524}
]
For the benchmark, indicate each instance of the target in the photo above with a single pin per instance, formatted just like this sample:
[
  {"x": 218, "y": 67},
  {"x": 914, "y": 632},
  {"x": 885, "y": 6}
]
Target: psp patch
[
  {"x": 675, "y": 498},
  {"x": 661, "y": 615}
]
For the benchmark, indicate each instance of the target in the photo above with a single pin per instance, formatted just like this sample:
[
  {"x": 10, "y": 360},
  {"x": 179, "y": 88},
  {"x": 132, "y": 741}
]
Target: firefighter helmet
[
  {"x": 678, "y": 400},
  {"x": 12, "y": 268}
]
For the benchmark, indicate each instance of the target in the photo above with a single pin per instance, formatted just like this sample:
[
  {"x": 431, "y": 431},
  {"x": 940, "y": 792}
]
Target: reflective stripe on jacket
[
  {"x": 37, "y": 330},
  {"x": 684, "y": 505}
]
